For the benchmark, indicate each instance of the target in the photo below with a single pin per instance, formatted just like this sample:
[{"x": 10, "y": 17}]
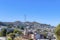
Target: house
[
  {"x": 37, "y": 36},
  {"x": 31, "y": 35},
  {"x": 1, "y": 27}
]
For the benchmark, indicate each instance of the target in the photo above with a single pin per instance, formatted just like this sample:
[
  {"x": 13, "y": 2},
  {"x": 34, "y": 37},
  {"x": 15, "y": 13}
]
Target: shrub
[
  {"x": 1, "y": 34},
  {"x": 9, "y": 38},
  {"x": 12, "y": 35},
  {"x": 17, "y": 31}
]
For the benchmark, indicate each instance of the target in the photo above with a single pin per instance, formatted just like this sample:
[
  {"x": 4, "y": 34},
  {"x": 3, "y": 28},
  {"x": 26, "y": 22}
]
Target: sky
[{"x": 42, "y": 11}]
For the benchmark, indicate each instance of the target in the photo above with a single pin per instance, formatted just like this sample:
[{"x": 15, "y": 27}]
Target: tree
[
  {"x": 4, "y": 32},
  {"x": 1, "y": 34},
  {"x": 57, "y": 32},
  {"x": 12, "y": 35},
  {"x": 17, "y": 31},
  {"x": 10, "y": 25},
  {"x": 22, "y": 28},
  {"x": 9, "y": 38}
]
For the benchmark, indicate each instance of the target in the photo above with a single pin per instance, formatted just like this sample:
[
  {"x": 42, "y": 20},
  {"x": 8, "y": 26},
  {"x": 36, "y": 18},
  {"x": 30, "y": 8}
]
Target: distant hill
[{"x": 29, "y": 24}]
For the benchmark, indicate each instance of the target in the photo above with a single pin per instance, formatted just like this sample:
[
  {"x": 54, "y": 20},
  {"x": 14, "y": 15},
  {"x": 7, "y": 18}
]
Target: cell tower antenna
[{"x": 25, "y": 18}]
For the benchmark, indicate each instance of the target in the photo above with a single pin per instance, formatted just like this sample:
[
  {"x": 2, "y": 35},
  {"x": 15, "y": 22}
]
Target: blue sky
[{"x": 42, "y": 11}]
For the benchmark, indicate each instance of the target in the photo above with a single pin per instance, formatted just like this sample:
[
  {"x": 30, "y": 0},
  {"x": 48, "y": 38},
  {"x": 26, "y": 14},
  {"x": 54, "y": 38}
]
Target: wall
[{"x": 2, "y": 38}]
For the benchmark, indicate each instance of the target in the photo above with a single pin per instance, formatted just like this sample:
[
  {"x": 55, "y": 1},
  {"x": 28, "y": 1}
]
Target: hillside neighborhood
[{"x": 26, "y": 31}]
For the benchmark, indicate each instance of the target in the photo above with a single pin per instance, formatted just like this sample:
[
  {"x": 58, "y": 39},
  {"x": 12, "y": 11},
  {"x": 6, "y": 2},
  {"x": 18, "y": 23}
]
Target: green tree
[
  {"x": 22, "y": 28},
  {"x": 12, "y": 35},
  {"x": 9, "y": 38},
  {"x": 1, "y": 34},
  {"x": 4, "y": 32},
  {"x": 10, "y": 25},
  {"x": 17, "y": 31},
  {"x": 57, "y": 32}
]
